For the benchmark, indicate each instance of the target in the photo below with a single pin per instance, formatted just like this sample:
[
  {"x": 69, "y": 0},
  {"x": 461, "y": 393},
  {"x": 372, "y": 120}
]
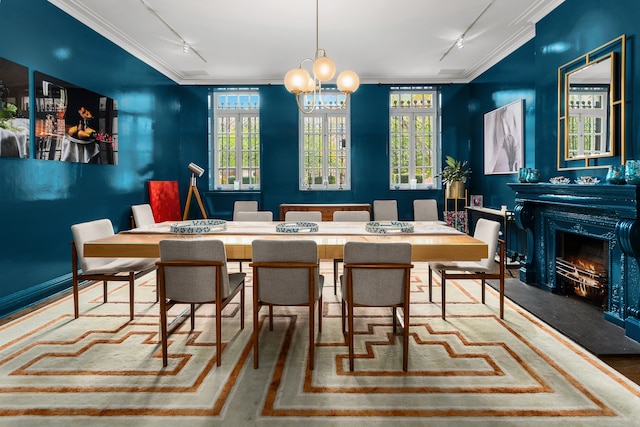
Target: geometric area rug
[{"x": 472, "y": 369}]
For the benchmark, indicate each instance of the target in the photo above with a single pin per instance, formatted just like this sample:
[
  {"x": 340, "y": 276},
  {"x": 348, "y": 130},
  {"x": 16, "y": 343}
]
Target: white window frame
[
  {"x": 585, "y": 106},
  {"x": 428, "y": 105},
  {"x": 235, "y": 106},
  {"x": 334, "y": 141}
]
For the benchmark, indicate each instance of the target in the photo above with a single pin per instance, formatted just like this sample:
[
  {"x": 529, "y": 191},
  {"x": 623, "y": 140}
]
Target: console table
[{"x": 327, "y": 209}]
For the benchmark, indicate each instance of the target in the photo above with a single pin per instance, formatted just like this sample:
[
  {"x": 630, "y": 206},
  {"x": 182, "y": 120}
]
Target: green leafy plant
[
  {"x": 455, "y": 170},
  {"x": 7, "y": 112}
]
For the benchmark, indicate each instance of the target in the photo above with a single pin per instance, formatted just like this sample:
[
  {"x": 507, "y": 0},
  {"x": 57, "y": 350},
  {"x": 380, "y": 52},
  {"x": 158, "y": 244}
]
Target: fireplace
[
  {"x": 581, "y": 267},
  {"x": 564, "y": 224}
]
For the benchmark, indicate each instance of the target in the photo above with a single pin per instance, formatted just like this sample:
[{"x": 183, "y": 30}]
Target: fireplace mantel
[{"x": 602, "y": 211}]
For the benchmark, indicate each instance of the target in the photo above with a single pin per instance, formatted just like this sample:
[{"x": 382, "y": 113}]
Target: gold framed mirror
[{"x": 591, "y": 108}]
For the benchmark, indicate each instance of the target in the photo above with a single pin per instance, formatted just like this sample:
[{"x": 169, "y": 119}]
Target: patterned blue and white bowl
[{"x": 199, "y": 226}]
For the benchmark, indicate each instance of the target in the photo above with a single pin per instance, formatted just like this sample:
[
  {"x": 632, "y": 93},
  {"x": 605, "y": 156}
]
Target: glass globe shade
[
  {"x": 324, "y": 68},
  {"x": 311, "y": 85},
  {"x": 348, "y": 81},
  {"x": 296, "y": 80}
]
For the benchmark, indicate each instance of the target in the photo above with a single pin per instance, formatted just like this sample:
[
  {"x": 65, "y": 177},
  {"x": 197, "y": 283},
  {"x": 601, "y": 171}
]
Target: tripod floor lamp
[{"x": 193, "y": 189}]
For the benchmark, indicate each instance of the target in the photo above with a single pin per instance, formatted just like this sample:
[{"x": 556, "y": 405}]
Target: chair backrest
[
  {"x": 286, "y": 286},
  {"x": 193, "y": 284},
  {"x": 87, "y": 231},
  {"x": 244, "y": 206},
  {"x": 376, "y": 286},
  {"x": 142, "y": 215},
  {"x": 425, "y": 210},
  {"x": 303, "y": 216},
  {"x": 352, "y": 216},
  {"x": 385, "y": 210},
  {"x": 253, "y": 216},
  {"x": 488, "y": 231}
]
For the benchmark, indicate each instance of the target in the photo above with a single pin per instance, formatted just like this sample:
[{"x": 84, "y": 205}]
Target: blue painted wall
[{"x": 163, "y": 127}]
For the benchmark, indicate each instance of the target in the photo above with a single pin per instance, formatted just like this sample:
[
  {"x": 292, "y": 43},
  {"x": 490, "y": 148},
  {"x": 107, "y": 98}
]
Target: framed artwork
[
  {"x": 476, "y": 201},
  {"x": 74, "y": 124},
  {"x": 15, "y": 128},
  {"x": 504, "y": 139}
]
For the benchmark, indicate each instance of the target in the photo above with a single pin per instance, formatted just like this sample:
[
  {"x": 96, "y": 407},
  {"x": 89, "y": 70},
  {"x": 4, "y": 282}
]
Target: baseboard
[
  {"x": 26, "y": 297},
  {"x": 632, "y": 328}
]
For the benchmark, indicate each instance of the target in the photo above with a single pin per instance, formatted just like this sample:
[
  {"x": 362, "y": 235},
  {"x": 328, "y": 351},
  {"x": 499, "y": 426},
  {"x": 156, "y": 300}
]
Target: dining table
[{"x": 430, "y": 240}]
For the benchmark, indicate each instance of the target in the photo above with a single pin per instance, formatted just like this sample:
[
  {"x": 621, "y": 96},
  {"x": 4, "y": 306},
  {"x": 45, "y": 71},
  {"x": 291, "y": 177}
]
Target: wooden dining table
[{"x": 430, "y": 241}]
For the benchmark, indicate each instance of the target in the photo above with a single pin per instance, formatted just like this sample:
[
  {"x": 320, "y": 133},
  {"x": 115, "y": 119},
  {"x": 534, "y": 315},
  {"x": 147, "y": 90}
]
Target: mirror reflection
[{"x": 588, "y": 111}]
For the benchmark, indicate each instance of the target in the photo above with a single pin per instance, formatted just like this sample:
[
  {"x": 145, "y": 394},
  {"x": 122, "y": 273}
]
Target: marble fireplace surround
[{"x": 605, "y": 212}]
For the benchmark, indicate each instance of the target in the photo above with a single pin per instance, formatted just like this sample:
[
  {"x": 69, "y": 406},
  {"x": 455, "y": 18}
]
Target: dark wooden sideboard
[{"x": 327, "y": 209}]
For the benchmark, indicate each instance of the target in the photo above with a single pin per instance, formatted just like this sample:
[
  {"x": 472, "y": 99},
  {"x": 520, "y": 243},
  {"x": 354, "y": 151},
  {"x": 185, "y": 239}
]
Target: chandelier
[{"x": 308, "y": 90}]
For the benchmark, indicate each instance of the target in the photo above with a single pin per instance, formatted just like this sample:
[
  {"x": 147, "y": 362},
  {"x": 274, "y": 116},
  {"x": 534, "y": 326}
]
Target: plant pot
[{"x": 455, "y": 190}]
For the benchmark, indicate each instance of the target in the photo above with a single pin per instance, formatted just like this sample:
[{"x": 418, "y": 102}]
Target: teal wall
[{"x": 163, "y": 127}]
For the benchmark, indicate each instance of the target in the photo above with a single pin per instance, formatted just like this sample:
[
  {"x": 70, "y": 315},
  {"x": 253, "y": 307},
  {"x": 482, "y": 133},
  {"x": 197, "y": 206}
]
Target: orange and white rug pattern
[{"x": 103, "y": 369}]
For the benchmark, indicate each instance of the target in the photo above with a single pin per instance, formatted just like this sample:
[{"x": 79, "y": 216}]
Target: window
[
  {"x": 588, "y": 122},
  {"x": 414, "y": 138},
  {"x": 325, "y": 146},
  {"x": 235, "y": 144}
]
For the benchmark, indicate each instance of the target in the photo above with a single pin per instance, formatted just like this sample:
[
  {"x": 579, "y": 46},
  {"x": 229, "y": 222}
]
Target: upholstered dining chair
[
  {"x": 346, "y": 216},
  {"x": 376, "y": 275},
  {"x": 105, "y": 269},
  {"x": 486, "y": 269},
  {"x": 385, "y": 210},
  {"x": 425, "y": 210},
  {"x": 195, "y": 272},
  {"x": 286, "y": 273},
  {"x": 142, "y": 215},
  {"x": 254, "y": 216},
  {"x": 314, "y": 216},
  {"x": 244, "y": 206}
]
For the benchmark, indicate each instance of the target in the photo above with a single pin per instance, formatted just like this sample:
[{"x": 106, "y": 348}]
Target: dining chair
[
  {"x": 314, "y": 216},
  {"x": 425, "y": 210},
  {"x": 142, "y": 215},
  {"x": 244, "y": 206},
  {"x": 195, "y": 272},
  {"x": 254, "y": 216},
  {"x": 385, "y": 210},
  {"x": 286, "y": 273},
  {"x": 376, "y": 275},
  {"x": 346, "y": 216},
  {"x": 487, "y": 231},
  {"x": 105, "y": 269}
]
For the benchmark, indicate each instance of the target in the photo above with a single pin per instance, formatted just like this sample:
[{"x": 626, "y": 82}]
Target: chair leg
[
  {"x": 218, "y": 334},
  {"x": 76, "y": 306},
  {"x": 483, "y": 283},
  {"x": 430, "y": 283},
  {"x": 312, "y": 330},
  {"x": 394, "y": 312},
  {"x": 256, "y": 310},
  {"x": 443, "y": 285},
  {"x": 405, "y": 339},
  {"x": 320, "y": 314},
  {"x": 132, "y": 288},
  {"x": 270, "y": 317},
  {"x": 163, "y": 320},
  {"x": 242, "y": 306},
  {"x": 192, "y": 315},
  {"x": 335, "y": 277},
  {"x": 343, "y": 316},
  {"x": 104, "y": 291},
  {"x": 350, "y": 334}
]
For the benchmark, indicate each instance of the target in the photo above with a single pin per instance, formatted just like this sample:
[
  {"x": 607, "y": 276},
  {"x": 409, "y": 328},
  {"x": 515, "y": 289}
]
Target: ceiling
[{"x": 258, "y": 41}]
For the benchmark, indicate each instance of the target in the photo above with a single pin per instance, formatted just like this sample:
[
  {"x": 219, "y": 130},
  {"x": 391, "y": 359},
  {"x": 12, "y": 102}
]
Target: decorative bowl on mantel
[
  {"x": 559, "y": 180},
  {"x": 587, "y": 180}
]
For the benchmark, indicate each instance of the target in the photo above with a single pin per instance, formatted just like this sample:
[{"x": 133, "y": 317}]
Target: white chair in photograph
[
  {"x": 425, "y": 210},
  {"x": 313, "y": 216},
  {"x": 142, "y": 215},
  {"x": 244, "y": 206},
  {"x": 254, "y": 216},
  {"x": 346, "y": 216},
  {"x": 385, "y": 210}
]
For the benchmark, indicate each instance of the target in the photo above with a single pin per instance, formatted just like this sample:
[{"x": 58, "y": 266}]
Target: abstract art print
[
  {"x": 74, "y": 124},
  {"x": 14, "y": 110},
  {"x": 504, "y": 139}
]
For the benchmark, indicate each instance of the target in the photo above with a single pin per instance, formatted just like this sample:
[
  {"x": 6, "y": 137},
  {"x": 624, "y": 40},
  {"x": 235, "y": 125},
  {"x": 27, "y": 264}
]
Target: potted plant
[{"x": 454, "y": 176}]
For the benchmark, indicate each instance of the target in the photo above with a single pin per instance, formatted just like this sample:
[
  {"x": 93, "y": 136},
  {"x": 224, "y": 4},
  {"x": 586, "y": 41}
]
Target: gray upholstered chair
[
  {"x": 244, "y": 206},
  {"x": 253, "y": 216},
  {"x": 105, "y": 269},
  {"x": 488, "y": 231},
  {"x": 286, "y": 273},
  {"x": 195, "y": 272},
  {"x": 314, "y": 216},
  {"x": 142, "y": 215},
  {"x": 346, "y": 216},
  {"x": 376, "y": 275},
  {"x": 385, "y": 210},
  {"x": 425, "y": 210}
]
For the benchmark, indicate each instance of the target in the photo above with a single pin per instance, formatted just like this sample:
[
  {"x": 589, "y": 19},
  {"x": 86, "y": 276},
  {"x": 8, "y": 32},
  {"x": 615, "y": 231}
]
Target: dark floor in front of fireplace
[{"x": 580, "y": 320}]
